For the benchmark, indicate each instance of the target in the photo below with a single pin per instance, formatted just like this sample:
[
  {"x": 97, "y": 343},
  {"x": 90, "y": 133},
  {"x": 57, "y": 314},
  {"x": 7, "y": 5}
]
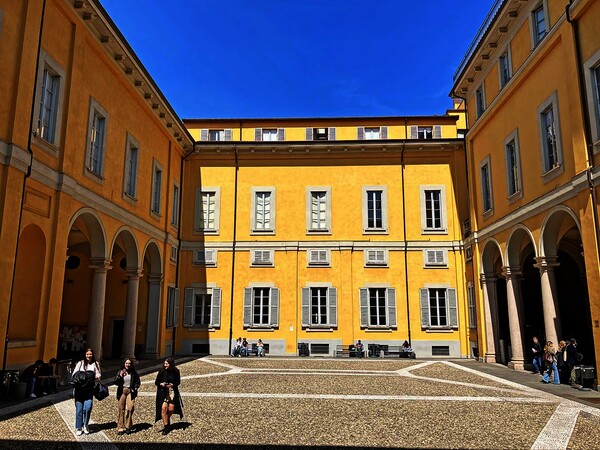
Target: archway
[{"x": 149, "y": 310}]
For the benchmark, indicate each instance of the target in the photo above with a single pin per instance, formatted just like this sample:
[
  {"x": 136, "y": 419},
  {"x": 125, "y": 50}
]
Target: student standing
[
  {"x": 128, "y": 382},
  {"x": 168, "y": 400},
  {"x": 84, "y": 390}
]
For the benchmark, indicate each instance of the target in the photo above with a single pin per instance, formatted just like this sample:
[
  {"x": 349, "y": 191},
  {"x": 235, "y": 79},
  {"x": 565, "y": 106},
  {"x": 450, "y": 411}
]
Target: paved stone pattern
[{"x": 325, "y": 402}]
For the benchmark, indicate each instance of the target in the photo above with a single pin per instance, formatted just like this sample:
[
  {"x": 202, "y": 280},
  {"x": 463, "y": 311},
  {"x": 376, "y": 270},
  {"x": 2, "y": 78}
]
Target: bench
[
  {"x": 254, "y": 349},
  {"x": 347, "y": 350}
]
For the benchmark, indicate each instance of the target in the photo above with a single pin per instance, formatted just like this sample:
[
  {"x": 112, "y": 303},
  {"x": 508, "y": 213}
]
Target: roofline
[
  {"x": 320, "y": 119},
  {"x": 340, "y": 143}
]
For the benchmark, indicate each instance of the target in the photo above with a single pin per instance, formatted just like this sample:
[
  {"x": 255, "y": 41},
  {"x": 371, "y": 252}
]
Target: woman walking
[
  {"x": 85, "y": 375},
  {"x": 168, "y": 400},
  {"x": 128, "y": 383}
]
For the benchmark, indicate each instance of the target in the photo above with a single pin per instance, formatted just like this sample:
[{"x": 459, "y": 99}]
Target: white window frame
[
  {"x": 323, "y": 257},
  {"x": 435, "y": 258},
  {"x": 205, "y": 257},
  {"x": 448, "y": 312},
  {"x": 592, "y": 82},
  {"x": 96, "y": 109},
  {"x": 549, "y": 173},
  {"x": 443, "y": 229},
  {"x": 253, "y": 211},
  {"x": 204, "y": 289},
  {"x": 506, "y": 56},
  {"x": 131, "y": 143},
  {"x": 372, "y": 133},
  {"x": 535, "y": 39},
  {"x": 255, "y": 261},
  {"x": 173, "y": 254},
  {"x": 272, "y": 321},
  {"x": 390, "y": 309},
  {"x": 471, "y": 305},
  {"x": 480, "y": 105},
  {"x": 376, "y": 257},
  {"x": 326, "y": 229},
  {"x": 487, "y": 162},
  {"x": 46, "y": 62},
  {"x": 219, "y": 134},
  {"x": 330, "y": 305},
  {"x": 156, "y": 197},
  {"x": 199, "y": 223},
  {"x": 422, "y": 132},
  {"x": 510, "y": 176},
  {"x": 468, "y": 253},
  {"x": 384, "y": 210},
  {"x": 172, "y": 316},
  {"x": 175, "y": 205},
  {"x": 271, "y": 134}
]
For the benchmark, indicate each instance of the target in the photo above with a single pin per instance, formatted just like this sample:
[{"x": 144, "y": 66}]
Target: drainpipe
[
  {"x": 404, "y": 227},
  {"x": 586, "y": 124},
  {"x": 235, "y": 198},
  {"x": 27, "y": 175}
]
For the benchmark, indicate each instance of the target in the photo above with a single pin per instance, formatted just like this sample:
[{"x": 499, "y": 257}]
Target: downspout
[
  {"x": 235, "y": 198},
  {"x": 587, "y": 131},
  {"x": 27, "y": 175},
  {"x": 404, "y": 227}
]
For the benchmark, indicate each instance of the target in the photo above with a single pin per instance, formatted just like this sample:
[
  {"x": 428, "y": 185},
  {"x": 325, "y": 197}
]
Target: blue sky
[{"x": 301, "y": 58}]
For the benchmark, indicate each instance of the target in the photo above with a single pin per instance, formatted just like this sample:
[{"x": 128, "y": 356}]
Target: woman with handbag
[
  {"x": 128, "y": 382},
  {"x": 85, "y": 375},
  {"x": 168, "y": 400}
]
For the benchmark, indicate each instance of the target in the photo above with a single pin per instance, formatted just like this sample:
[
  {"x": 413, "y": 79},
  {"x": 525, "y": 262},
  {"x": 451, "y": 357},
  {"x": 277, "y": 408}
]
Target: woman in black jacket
[
  {"x": 128, "y": 383},
  {"x": 168, "y": 400}
]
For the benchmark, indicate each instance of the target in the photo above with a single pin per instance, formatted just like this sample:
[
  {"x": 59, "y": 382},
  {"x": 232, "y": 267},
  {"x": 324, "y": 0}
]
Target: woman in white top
[{"x": 84, "y": 390}]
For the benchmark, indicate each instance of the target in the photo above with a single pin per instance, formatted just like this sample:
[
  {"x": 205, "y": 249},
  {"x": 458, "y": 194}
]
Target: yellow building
[
  {"x": 531, "y": 81},
  {"x": 90, "y": 163},
  {"x": 324, "y": 232}
]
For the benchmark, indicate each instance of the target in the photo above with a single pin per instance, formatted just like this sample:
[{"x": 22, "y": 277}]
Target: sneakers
[
  {"x": 78, "y": 433},
  {"x": 86, "y": 430},
  {"x": 32, "y": 395}
]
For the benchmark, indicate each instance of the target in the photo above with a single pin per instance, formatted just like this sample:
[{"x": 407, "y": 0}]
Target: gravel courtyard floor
[{"x": 277, "y": 403}]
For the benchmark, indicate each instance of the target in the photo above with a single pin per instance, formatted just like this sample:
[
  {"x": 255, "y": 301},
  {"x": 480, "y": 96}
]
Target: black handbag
[{"x": 100, "y": 391}]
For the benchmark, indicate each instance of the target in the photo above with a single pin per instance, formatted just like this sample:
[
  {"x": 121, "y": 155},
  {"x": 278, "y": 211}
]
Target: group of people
[
  {"x": 242, "y": 348},
  {"x": 87, "y": 374},
  {"x": 556, "y": 365},
  {"x": 40, "y": 378}
]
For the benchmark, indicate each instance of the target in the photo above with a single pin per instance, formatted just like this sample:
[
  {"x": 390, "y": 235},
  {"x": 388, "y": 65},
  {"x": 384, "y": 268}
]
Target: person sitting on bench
[{"x": 360, "y": 349}]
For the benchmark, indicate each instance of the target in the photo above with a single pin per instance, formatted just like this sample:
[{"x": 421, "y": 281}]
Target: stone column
[
  {"x": 97, "y": 300},
  {"x": 513, "y": 296},
  {"x": 547, "y": 264},
  {"x": 152, "y": 322},
  {"x": 131, "y": 307},
  {"x": 490, "y": 307}
]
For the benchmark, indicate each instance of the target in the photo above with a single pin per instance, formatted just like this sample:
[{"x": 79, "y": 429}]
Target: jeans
[
  {"x": 30, "y": 386},
  {"x": 538, "y": 367},
  {"x": 547, "y": 376},
  {"x": 83, "y": 410}
]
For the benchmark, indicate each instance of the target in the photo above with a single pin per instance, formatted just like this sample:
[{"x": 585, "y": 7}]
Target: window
[
  {"x": 435, "y": 258},
  {"x": 469, "y": 254},
  {"x": 375, "y": 209},
  {"x": 262, "y": 258},
  {"x": 433, "y": 209},
  {"x": 418, "y": 132},
  {"x": 372, "y": 133},
  {"x": 318, "y": 209},
  {"x": 549, "y": 127},
  {"x": 320, "y": 134},
  {"x": 376, "y": 257},
  {"x": 480, "y": 101},
  {"x": 49, "y": 100},
  {"x": 173, "y": 254},
  {"x": 205, "y": 257},
  {"x": 263, "y": 210},
  {"x": 438, "y": 308},
  {"x": 378, "y": 307},
  {"x": 269, "y": 134},
  {"x": 538, "y": 24},
  {"x": 318, "y": 257},
  {"x": 175, "y": 208},
  {"x": 97, "y": 126},
  {"x": 513, "y": 166},
  {"x": 424, "y": 133},
  {"x": 202, "y": 307},
  {"x": 472, "y": 310},
  {"x": 505, "y": 70},
  {"x": 156, "y": 188},
  {"x": 596, "y": 91},
  {"x": 261, "y": 307},
  {"x": 319, "y": 306},
  {"x": 207, "y": 209},
  {"x": 172, "y": 307},
  {"x": 216, "y": 135},
  {"x": 132, "y": 152},
  {"x": 486, "y": 186},
  {"x": 592, "y": 82}
]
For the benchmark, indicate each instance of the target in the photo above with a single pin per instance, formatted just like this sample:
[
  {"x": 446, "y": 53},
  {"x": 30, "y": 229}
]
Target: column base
[
  {"x": 517, "y": 364},
  {"x": 490, "y": 358}
]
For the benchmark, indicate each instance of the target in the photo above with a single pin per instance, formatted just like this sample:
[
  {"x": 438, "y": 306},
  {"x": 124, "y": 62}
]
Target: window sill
[
  {"x": 48, "y": 147},
  {"x": 378, "y": 330},
  {"x": 376, "y": 265},
  {"x": 441, "y": 330},
  {"x": 155, "y": 215},
  {"x": 254, "y": 328},
  {"x": 317, "y": 265},
  {"x": 434, "y": 231},
  {"x": 436, "y": 266},
  {"x": 553, "y": 173},
  {"x": 597, "y": 147},
  {"x": 375, "y": 231},
  {"x": 487, "y": 214},
  {"x": 316, "y": 329},
  {"x": 94, "y": 176},
  {"x": 324, "y": 231},
  {"x": 129, "y": 199},
  {"x": 515, "y": 197},
  {"x": 262, "y": 232},
  {"x": 203, "y": 231},
  {"x": 202, "y": 328}
]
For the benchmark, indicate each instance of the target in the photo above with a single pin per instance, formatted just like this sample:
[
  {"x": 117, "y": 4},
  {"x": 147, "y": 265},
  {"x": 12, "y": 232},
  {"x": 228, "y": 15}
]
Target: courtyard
[{"x": 245, "y": 403}]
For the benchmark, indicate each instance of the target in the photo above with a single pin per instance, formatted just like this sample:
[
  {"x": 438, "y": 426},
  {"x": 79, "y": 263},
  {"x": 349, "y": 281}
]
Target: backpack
[{"x": 548, "y": 357}]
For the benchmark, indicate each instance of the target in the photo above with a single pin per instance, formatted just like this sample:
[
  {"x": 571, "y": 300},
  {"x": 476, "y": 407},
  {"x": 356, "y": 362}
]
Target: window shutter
[
  {"x": 414, "y": 132},
  {"x": 228, "y": 135},
  {"x": 176, "y": 307},
  {"x": 204, "y": 135},
  {"x": 170, "y": 301},
  {"x": 364, "y": 307},
  {"x": 309, "y": 134},
  {"x": 188, "y": 311},
  {"x": 384, "y": 132},
  {"x": 305, "y": 307},
  {"x": 437, "y": 132},
  {"x": 332, "y": 134},
  {"x": 258, "y": 134},
  {"x": 274, "y": 307},
  {"x": 215, "y": 317},
  {"x": 332, "y": 296},
  {"x": 281, "y": 134},
  {"x": 391, "y": 293},
  {"x": 360, "y": 133},
  {"x": 424, "y": 293},
  {"x": 247, "y": 307},
  {"x": 452, "y": 310}
]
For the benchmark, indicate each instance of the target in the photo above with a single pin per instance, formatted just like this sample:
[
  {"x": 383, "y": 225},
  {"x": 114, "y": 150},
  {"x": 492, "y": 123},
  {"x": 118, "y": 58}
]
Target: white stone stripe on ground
[
  {"x": 218, "y": 363},
  {"x": 316, "y": 358},
  {"x": 331, "y": 374},
  {"x": 461, "y": 383},
  {"x": 557, "y": 432},
  {"x": 95, "y": 441},
  {"x": 406, "y": 370},
  {"x": 303, "y": 370},
  {"x": 490, "y": 377}
]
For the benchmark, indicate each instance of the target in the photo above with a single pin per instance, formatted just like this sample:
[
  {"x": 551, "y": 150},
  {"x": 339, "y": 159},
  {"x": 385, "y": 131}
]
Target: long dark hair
[
  {"x": 93, "y": 356},
  {"x": 171, "y": 362},
  {"x": 131, "y": 370}
]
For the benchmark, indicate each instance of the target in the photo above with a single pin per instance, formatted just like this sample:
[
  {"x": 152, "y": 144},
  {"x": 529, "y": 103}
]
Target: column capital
[
  {"x": 134, "y": 274},
  {"x": 100, "y": 263},
  {"x": 155, "y": 278},
  {"x": 487, "y": 278},
  {"x": 546, "y": 263},
  {"x": 511, "y": 272}
]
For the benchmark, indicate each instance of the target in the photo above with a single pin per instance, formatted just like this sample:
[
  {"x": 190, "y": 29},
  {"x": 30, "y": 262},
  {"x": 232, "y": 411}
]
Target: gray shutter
[
  {"x": 247, "y": 307},
  {"x": 332, "y": 296},
  {"x": 309, "y": 134},
  {"x": 424, "y": 294},
  {"x": 188, "y": 310},
  {"x": 437, "y": 132},
  {"x": 384, "y": 132},
  {"x": 452, "y": 310},
  {"x": 281, "y": 134},
  {"x": 391, "y": 293},
  {"x": 258, "y": 134},
  {"x": 170, "y": 301},
  {"x": 414, "y": 132},
  {"x": 274, "y": 307},
  {"x": 360, "y": 133},
  {"x": 175, "y": 307},
  {"x": 204, "y": 135},
  {"x": 215, "y": 314},
  {"x": 364, "y": 307},
  {"x": 305, "y": 307},
  {"x": 332, "y": 134},
  {"x": 228, "y": 135}
]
